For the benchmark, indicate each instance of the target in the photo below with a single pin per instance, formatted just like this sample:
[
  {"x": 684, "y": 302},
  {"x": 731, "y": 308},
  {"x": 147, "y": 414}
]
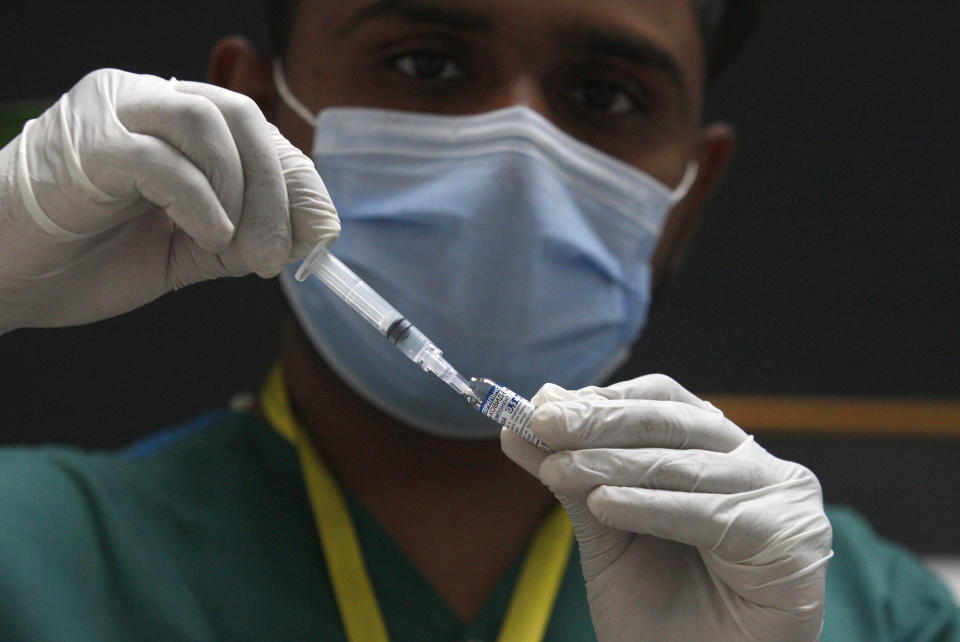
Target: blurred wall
[
  {"x": 826, "y": 264},
  {"x": 828, "y": 261}
]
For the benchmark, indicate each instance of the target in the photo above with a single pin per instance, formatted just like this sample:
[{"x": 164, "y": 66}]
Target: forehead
[{"x": 669, "y": 26}]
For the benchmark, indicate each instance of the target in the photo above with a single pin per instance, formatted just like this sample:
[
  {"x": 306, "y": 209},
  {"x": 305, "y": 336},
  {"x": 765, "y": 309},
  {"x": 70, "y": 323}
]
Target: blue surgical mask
[{"x": 523, "y": 253}]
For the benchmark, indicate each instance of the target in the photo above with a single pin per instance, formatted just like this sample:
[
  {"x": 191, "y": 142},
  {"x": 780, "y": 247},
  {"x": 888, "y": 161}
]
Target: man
[{"x": 516, "y": 178}]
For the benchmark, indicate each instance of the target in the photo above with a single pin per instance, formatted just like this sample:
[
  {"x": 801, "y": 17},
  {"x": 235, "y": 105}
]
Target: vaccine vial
[{"x": 505, "y": 407}]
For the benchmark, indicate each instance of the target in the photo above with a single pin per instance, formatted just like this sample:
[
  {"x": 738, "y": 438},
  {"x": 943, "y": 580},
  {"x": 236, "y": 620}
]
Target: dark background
[{"x": 826, "y": 264}]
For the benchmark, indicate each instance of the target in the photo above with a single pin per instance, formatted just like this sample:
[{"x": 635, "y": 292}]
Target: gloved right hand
[{"x": 131, "y": 186}]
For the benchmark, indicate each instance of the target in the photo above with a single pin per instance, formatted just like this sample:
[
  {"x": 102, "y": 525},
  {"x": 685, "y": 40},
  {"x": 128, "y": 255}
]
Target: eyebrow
[
  {"x": 632, "y": 48},
  {"x": 420, "y": 11}
]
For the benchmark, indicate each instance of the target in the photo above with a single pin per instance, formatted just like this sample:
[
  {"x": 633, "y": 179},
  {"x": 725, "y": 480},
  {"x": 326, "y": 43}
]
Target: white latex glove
[
  {"x": 688, "y": 530},
  {"x": 131, "y": 186}
]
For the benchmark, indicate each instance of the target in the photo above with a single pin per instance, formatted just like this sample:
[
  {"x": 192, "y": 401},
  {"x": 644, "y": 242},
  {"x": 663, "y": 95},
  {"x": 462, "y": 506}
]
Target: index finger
[
  {"x": 586, "y": 422},
  {"x": 657, "y": 387}
]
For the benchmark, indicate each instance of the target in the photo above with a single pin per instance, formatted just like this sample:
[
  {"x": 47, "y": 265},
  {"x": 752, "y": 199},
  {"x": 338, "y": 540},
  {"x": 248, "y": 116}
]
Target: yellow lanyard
[{"x": 540, "y": 576}]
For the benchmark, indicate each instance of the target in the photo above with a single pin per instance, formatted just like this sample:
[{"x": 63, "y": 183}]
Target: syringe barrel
[
  {"x": 381, "y": 315},
  {"x": 351, "y": 288}
]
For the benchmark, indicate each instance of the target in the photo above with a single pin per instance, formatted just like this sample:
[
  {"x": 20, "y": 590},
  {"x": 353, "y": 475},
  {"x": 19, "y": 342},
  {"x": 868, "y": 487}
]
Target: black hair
[
  {"x": 280, "y": 22},
  {"x": 726, "y": 26}
]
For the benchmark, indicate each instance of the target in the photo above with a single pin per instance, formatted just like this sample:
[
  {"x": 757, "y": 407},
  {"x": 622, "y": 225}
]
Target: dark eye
[
  {"x": 606, "y": 97},
  {"x": 428, "y": 65}
]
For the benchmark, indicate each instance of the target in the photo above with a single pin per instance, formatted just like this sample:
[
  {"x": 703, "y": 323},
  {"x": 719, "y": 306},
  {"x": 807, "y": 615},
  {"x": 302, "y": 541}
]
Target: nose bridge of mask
[
  {"x": 622, "y": 188},
  {"x": 522, "y": 194}
]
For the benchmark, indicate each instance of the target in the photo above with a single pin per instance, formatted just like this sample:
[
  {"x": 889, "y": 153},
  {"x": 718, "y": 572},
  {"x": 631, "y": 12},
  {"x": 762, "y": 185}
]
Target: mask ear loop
[
  {"x": 689, "y": 177},
  {"x": 291, "y": 101}
]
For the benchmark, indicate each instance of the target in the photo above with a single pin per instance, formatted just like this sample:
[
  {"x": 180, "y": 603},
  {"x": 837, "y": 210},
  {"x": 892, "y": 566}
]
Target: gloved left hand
[{"x": 687, "y": 528}]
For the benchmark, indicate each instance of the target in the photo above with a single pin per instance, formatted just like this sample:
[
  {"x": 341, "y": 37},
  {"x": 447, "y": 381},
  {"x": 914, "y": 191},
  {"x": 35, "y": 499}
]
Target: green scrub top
[{"x": 205, "y": 532}]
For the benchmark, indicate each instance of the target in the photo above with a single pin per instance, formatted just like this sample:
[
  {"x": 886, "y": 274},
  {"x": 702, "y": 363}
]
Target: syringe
[
  {"x": 492, "y": 400},
  {"x": 381, "y": 315}
]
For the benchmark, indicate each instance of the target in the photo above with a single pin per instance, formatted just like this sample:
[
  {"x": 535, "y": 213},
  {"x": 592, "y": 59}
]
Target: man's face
[{"x": 625, "y": 76}]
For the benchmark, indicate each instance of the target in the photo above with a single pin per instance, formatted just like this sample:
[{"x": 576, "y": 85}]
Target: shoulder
[
  {"x": 879, "y": 590},
  {"x": 51, "y": 491},
  {"x": 31, "y": 473},
  {"x": 49, "y": 486},
  {"x": 92, "y": 533}
]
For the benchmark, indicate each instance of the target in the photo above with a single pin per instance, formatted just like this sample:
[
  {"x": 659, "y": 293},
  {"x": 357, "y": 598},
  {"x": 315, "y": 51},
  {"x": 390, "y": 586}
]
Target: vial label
[{"x": 511, "y": 411}]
